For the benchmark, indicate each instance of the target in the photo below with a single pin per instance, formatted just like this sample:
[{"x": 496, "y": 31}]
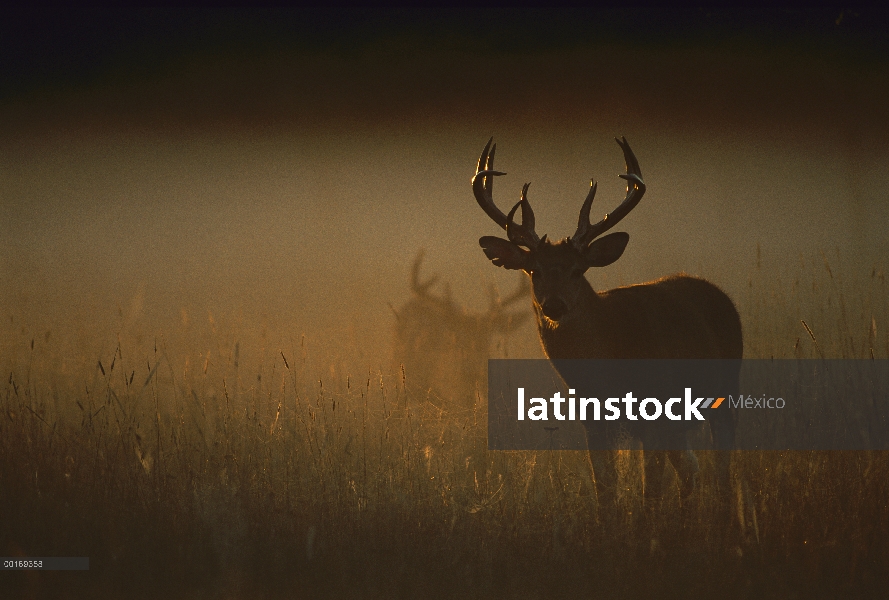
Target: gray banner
[{"x": 697, "y": 404}]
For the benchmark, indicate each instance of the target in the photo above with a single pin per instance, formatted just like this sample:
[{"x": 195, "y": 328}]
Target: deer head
[{"x": 556, "y": 268}]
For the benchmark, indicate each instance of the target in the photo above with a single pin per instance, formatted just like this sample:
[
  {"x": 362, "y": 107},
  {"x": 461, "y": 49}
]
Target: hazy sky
[{"x": 278, "y": 171}]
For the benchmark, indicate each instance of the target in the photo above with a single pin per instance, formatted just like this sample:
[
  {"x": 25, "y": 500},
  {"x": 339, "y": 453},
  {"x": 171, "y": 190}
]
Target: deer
[
  {"x": 675, "y": 317},
  {"x": 443, "y": 347}
]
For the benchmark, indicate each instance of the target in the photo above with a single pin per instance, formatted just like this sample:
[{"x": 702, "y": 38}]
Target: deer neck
[{"x": 580, "y": 333}]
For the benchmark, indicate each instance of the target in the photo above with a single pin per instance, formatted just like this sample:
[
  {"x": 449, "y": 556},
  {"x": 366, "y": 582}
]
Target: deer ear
[
  {"x": 606, "y": 250},
  {"x": 504, "y": 253}
]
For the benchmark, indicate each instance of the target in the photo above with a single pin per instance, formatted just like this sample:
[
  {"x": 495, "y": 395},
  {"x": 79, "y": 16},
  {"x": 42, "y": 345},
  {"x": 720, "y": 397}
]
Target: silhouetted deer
[
  {"x": 444, "y": 348},
  {"x": 674, "y": 317}
]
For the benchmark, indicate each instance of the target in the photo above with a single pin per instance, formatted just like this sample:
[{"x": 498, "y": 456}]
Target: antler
[
  {"x": 420, "y": 289},
  {"x": 587, "y": 232},
  {"x": 443, "y": 303},
  {"x": 500, "y": 319},
  {"x": 497, "y": 303},
  {"x": 483, "y": 186},
  {"x": 520, "y": 292}
]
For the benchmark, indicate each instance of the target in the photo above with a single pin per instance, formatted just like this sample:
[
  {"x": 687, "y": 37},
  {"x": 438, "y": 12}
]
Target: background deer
[
  {"x": 678, "y": 316},
  {"x": 443, "y": 347}
]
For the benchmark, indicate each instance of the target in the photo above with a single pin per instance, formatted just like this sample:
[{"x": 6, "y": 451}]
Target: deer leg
[
  {"x": 655, "y": 461},
  {"x": 722, "y": 428},
  {"x": 606, "y": 477},
  {"x": 686, "y": 464}
]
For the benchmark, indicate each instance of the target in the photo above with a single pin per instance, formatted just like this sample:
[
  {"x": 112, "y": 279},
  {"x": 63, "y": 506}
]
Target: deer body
[
  {"x": 648, "y": 320},
  {"x": 444, "y": 348},
  {"x": 676, "y": 317}
]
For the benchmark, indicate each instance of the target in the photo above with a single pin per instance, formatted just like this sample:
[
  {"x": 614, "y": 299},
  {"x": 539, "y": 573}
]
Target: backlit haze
[{"x": 244, "y": 184}]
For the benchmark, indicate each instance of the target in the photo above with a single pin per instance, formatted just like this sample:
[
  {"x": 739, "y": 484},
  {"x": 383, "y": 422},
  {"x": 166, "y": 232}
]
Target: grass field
[{"x": 194, "y": 472}]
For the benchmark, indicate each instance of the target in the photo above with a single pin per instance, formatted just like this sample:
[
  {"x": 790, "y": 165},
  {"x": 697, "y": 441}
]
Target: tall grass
[{"x": 199, "y": 474}]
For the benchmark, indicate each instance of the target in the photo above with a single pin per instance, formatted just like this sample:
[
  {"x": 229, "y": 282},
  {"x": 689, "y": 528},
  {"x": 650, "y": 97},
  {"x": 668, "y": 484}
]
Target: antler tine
[
  {"x": 635, "y": 191},
  {"x": 580, "y": 237},
  {"x": 528, "y": 220},
  {"x": 522, "y": 234},
  {"x": 483, "y": 184},
  {"x": 420, "y": 289},
  {"x": 498, "y": 303},
  {"x": 520, "y": 292},
  {"x": 485, "y": 161},
  {"x": 629, "y": 157}
]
